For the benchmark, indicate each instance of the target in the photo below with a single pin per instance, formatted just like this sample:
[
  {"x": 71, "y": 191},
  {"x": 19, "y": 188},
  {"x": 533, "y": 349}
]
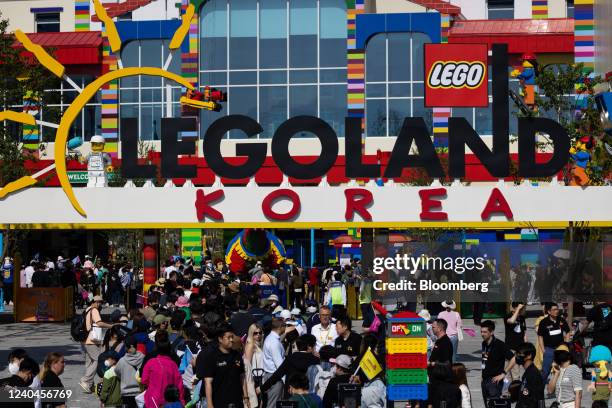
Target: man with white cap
[{"x": 343, "y": 376}]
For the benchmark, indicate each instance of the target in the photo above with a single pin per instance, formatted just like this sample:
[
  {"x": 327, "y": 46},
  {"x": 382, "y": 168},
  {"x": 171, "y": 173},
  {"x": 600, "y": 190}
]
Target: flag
[
  {"x": 76, "y": 260},
  {"x": 369, "y": 364}
]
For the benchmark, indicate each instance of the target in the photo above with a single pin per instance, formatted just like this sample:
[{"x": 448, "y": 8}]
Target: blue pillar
[{"x": 312, "y": 247}]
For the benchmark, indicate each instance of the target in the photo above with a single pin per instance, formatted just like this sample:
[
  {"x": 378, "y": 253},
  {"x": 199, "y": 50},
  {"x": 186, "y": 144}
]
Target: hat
[
  {"x": 273, "y": 298},
  {"x": 98, "y": 298},
  {"x": 342, "y": 360},
  {"x": 182, "y": 301},
  {"x": 196, "y": 282},
  {"x": 311, "y": 309},
  {"x": 562, "y": 347},
  {"x": 88, "y": 264},
  {"x": 285, "y": 314},
  {"x": 60, "y": 259},
  {"x": 296, "y": 311},
  {"x": 449, "y": 303},
  {"x": 159, "y": 319},
  {"x": 258, "y": 263},
  {"x": 160, "y": 282},
  {"x": 278, "y": 309},
  {"x": 425, "y": 314}
]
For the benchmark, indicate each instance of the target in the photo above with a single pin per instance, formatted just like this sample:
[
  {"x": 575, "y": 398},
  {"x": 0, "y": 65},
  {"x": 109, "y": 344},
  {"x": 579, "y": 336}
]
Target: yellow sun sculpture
[{"x": 84, "y": 96}]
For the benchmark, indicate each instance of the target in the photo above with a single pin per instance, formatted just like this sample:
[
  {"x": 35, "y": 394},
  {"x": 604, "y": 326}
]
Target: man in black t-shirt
[
  {"x": 552, "y": 332},
  {"x": 495, "y": 353},
  {"x": 224, "y": 373},
  {"x": 601, "y": 316},
  {"x": 516, "y": 331},
  {"x": 442, "y": 351},
  {"x": 348, "y": 342},
  {"x": 531, "y": 391}
]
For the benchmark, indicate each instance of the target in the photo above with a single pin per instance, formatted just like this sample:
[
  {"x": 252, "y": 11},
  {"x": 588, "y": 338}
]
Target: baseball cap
[
  {"x": 98, "y": 298},
  {"x": 285, "y": 314},
  {"x": 342, "y": 360},
  {"x": 159, "y": 319}
]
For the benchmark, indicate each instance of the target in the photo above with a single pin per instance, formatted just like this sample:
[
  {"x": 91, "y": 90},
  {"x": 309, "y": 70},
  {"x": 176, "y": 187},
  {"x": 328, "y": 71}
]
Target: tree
[
  {"x": 18, "y": 76},
  {"x": 574, "y": 108}
]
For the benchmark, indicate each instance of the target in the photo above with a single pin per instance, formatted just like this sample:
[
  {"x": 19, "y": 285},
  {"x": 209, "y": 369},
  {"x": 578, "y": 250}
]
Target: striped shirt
[{"x": 569, "y": 381}]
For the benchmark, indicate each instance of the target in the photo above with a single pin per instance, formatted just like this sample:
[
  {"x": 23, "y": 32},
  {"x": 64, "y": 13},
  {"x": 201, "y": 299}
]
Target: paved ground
[{"x": 40, "y": 339}]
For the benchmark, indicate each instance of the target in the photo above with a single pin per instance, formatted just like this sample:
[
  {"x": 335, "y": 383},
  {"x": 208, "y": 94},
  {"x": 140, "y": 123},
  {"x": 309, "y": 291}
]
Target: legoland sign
[{"x": 461, "y": 77}]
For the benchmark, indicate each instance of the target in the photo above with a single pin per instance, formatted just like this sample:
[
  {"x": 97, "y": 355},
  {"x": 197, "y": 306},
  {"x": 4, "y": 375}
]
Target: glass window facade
[
  {"x": 500, "y": 9},
  {"x": 47, "y": 22},
  {"x": 394, "y": 83},
  {"x": 276, "y": 59},
  {"x": 145, "y": 97}
]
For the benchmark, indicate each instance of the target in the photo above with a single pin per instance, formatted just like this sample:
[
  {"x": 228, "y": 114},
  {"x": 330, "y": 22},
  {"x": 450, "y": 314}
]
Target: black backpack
[{"x": 78, "y": 331}]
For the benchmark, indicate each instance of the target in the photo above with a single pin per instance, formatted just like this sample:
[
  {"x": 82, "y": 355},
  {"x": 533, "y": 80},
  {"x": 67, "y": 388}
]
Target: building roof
[
  {"x": 70, "y": 48},
  {"x": 67, "y": 39},
  {"x": 439, "y": 5},
  {"x": 119, "y": 9},
  {"x": 537, "y": 36}
]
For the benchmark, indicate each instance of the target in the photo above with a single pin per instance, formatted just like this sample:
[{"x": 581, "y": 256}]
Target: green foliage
[
  {"x": 557, "y": 100},
  {"x": 18, "y": 75}
]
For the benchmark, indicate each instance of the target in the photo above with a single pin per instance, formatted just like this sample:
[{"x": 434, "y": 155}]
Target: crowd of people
[{"x": 203, "y": 336}]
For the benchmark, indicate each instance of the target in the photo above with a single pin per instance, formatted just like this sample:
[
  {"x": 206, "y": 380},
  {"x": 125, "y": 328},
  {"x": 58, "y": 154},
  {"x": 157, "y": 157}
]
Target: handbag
[
  {"x": 97, "y": 334},
  {"x": 375, "y": 324},
  {"x": 460, "y": 334},
  {"x": 140, "y": 400}
]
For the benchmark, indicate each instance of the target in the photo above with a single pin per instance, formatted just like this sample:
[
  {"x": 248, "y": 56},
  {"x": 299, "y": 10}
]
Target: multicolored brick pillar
[
  {"x": 81, "y": 15},
  {"x": 110, "y": 101},
  {"x": 31, "y": 133},
  {"x": 584, "y": 44},
  {"x": 189, "y": 64},
  {"x": 539, "y": 9},
  {"x": 441, "y": 115},
  {"x": 356, "y": 63},
  {"x": 191, "y": 244}
]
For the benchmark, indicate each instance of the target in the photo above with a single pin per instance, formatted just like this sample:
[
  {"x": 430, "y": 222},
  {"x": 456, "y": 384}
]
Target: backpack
[
  {"x": 322, "y": 380},
  {"x": 78, "y": 331}
]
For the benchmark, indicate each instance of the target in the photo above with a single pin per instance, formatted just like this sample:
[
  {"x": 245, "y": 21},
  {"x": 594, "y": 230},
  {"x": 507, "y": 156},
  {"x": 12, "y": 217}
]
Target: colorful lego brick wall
[
  {"x": 356, "y": 63},
  {"x": 191, "y": 244},
  {"x": 81, "y": 15},
  {"x": 584, "y": 45},
  {"x": 441, "y": 115},
  {"x": 539, "y": 9},
  {"x": 110, "y": 101}
]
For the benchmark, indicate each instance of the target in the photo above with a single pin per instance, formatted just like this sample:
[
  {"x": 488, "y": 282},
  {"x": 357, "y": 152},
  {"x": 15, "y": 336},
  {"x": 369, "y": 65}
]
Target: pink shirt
[
  {"x": 158, "y": 373},
  {"x": 453, "y": 319}
]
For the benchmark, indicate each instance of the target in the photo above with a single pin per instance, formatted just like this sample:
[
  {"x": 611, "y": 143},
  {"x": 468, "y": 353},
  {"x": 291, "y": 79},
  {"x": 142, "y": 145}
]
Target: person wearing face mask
[
  {"x": 110, "y": 395},
  {"x": 23, "y": 377},
  {"x": 531, "y": 391},
  {"x": 15, "y": 359},
  {"x": 566, "y": 379}
]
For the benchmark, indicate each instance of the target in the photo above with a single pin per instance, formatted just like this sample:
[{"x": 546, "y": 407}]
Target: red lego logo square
[{"x": 456, "y": 75}]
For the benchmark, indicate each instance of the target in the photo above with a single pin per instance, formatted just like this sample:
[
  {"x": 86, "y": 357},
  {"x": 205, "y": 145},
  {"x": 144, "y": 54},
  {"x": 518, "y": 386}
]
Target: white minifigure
[{"x": 98, "y": 163}]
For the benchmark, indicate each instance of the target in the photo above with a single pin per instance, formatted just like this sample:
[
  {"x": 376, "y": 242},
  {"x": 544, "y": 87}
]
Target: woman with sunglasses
[{"x": 253, "y": 360}]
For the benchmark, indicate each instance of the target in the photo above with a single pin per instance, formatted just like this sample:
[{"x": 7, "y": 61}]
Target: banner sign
[
  {"x": 456, "y": 75},
  {"x": 229, "y": 207}
]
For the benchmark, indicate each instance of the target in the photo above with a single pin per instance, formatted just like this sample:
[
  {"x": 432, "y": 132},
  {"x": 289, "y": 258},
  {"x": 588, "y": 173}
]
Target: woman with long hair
[
  {"x": 253, "y": 359},
  {"x": 460, "y": 377},
  {"x": 52, "y": 368}
]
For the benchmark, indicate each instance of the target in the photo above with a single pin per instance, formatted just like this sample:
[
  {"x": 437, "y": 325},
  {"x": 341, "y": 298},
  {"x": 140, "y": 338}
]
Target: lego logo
[{"x": 456, "y": 74}]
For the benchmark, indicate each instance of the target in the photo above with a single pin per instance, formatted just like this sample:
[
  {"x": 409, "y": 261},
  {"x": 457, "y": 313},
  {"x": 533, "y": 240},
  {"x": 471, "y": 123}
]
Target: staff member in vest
[
  {"x": 552, "y": 331},
  {"x": 324, "y": 332},
  {"x": 93, "y": 343},
  {"x": 348, "y": 342},
  {"x": 531, "y": 391},
  {"x": 495, "y": 353},
  {"x": 336, "y": 296}
]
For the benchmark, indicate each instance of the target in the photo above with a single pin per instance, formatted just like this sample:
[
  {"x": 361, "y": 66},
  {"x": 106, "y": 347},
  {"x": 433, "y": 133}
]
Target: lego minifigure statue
[
  {"x": 527, "y": 77},
  {"x": 98, "y": 163},
  {"x": 581, "y": 156}
]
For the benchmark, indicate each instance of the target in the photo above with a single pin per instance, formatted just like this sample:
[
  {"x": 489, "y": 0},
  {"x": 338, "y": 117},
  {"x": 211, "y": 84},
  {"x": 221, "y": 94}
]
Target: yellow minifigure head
[
  {"x": 527, "y": 64},
  {"x": 97, "y": 143}
]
